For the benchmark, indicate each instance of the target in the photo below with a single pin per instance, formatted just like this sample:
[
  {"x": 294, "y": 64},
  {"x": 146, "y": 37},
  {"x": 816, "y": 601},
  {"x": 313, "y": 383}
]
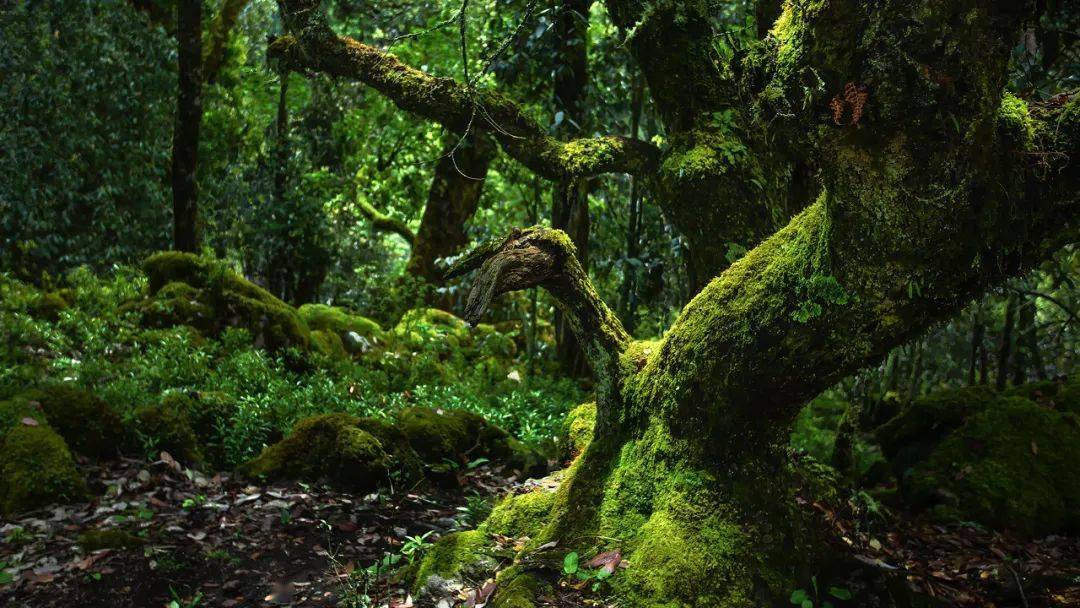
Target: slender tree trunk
[
  {"x": 1005, "y": 348},
  {"x": 185, "y": 152},
  {"x": 978, "y": 336},
  {"x": 1022, "y": 355},
  {"x": 628, "y": 297},
  {"x": 915, "y": 378}
]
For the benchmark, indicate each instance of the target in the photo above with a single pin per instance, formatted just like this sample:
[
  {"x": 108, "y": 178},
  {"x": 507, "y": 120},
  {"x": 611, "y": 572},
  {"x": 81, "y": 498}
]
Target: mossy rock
[
  {"x": 426, "y": 325},
  {"x": 459, "y": 436},
  {"x": 342, "y": 323},
  {"x": 910, "y": 435},
  {"x": 36, "y": 470},
  {"x": 14, "y": 411},
  {"x": 456, "y": 556},
  {"x": 167, "y": 428},
  {"x": 207, "y": 414},
  {"x": 328, "y": 344},
  {"x": 1012, "y": 466},
  {"x": 96, "y": 540},
  {"x": 404, "y": 463},
  {"x": 208, "y": 295},
  {"x": 330, "y": 447},
  {"x": 86, "y": 422}
]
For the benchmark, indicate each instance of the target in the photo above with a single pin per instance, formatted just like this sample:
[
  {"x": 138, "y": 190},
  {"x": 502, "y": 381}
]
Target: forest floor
[{"x": 215, "y": 541}]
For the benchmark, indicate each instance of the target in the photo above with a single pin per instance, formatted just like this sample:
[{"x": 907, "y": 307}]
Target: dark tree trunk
[
  {"x": 628, "y": 294},
  {"x": 570, "y": 203},
  {"x": 452, "y": 200},
  {"x": 1005, "y": 348},
  {"x": 185, "y": 152},
  {"x": 978, "y": 336}
]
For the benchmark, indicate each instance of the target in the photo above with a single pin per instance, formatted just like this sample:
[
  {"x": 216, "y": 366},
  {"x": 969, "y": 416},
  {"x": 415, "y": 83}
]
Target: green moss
[
  {"x": 578, "y": 428},
  {"x": 339, "y": 321},
  {"x": 517, "y": 589},
  {"x": 208, "y": 295},
  {"x": 404, "y": 463},
  {"x": 910, "y": 435},
  {"x": 454, "y": 556},
  {"x": 36, "y": 469},
  {"x": 328, "y": 344},
  {"x": 330, "y": 447},
  {"x": 167, "y": 428},
  {"x": 48, "y": 306},
  {"x": 1015, "y": 122},
  {"x": 521, "y": 515},
  {"x": 87, "y": 423},
  {"x": 96, "y": 540},
  {"x": 438, "y": 434},
  {"x": 207, "y": 414},
  {"x": 13, "y": 411},
  {"x": 1010, "y": 466},
  {"x": 421, "y": 325}
]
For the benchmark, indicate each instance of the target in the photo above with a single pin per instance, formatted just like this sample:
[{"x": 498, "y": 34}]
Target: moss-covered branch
[
  {"x": 220, "y": 27},
  {"x": 546, "y": 258},
  {"x": 385, "y": 223},
  {"x": 312, "y": 45}
]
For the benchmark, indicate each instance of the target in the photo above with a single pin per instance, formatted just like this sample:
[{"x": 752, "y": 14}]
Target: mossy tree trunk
[{"x": 912, "y": 185}]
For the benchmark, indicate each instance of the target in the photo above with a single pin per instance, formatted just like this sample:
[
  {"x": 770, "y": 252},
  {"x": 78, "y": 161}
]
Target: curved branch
[
  {"x": 543, "y": 257},
  {"x": 385, "y": 223},
  {"x": 1049, "y": 298},
  {"x": 314, "y": 46}
]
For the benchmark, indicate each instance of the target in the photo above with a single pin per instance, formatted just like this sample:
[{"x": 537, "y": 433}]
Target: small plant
[
  {"x": 179, "y": 602},
  {"x": 809, "y": 599},
  {"x": 6, "y": 578},
  {"x": 193, "y": 502},
  {"x": 604, "y": 566},
  {"x": 18, "y": 536},
  {"x": 415, "y": 546}
]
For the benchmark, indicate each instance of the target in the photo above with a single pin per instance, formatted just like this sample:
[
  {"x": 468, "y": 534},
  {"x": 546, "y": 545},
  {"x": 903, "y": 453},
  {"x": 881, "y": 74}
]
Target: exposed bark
[
  {"x": 452, "y": 201},
  {"x": 941, "y": 190},
  {"x": 185, "y": 152}
]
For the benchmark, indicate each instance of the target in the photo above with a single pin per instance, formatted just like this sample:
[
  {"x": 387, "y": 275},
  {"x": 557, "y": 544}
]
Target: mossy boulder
[
  {"x": 330, "y": 447},
  {"x": 207, "y": 415},
  {"x": 458, "y": 436},
  {"x": 86, "y": 422},
  {"x": 456, "y": 556},
  {"x": 909, "y": 436},
  {"x": 328, "y": 344},
  {"x": 96, "y": 540},
  {"x": 357, "y": 333},
  {"x": 166, "y": 428},
  {"x": 405, "y": 464},
  {"x": 420, "y": 326},
  {"x": 1012, "y": 465},
  {"x": 185, "y": 289},
  {"x": 36, "y": 469}
]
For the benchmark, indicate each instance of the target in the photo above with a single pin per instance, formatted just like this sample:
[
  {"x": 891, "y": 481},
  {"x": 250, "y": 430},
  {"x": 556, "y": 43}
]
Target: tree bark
[
  {"x": 930, "y": 188},
  {"x": 1005, "y": 347},
  {"x": 452, "y": 200},
  {"x": 185, "y": 153},
  {"x": 628, "y": 290}
]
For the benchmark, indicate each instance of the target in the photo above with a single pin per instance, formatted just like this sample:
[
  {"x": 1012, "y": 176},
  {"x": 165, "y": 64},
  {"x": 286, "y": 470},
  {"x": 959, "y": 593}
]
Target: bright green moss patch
[
  {"x": 520, "y": 515},
  {"x": 340, "y": 321},
  {"x": 96, "y": 540},
  {"x": 36, "y": 470},
  {"x": 456, "y": 555},
  {"x": 578, "y": 428},
  {"x": 89, "y": 425},
  {"x": 328, "y": 344},
  {"x": 208, "y": 295},
  {"x": 1015, "y": 122},
  {"x": 331, "y": 447},
  {"x": 517, "y": 589}
]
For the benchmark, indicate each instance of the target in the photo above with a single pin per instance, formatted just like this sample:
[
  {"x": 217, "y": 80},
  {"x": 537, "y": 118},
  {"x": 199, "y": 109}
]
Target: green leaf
[
  {"x": 807, "y": 604},
  {"x": 798, "y": 596},
  {"x": 570, "y": 563},
  {"x": 6, "y": 578},
  {"x": 840, "y": 593}
]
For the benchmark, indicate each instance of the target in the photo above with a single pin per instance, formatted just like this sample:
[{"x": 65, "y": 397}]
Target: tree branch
[
  {"x": 546, "y": 258},
  {"x": 220, "y": 27},
  {"x": 314, "y": 46},
  {"x": 386, "y": 223}
]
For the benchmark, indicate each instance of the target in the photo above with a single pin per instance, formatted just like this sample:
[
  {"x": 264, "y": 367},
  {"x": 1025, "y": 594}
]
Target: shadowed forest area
[{"x": 539, "y": 303}]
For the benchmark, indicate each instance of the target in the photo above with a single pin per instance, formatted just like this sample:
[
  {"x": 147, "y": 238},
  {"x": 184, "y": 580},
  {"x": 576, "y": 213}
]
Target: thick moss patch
[
  {"x": 208, "y": 295},
  {"x": 87, "y": 423},
  {"x": 909, "y": 437},
  {"x": 36, "y": 469},
  {"x": 1010, "y": 466},
  {"x": 207, "y": 414},
  {"x": 578, "y": 429},
  {"x": 331, "y": 447},
  {"x": 166, "y": 428},
  {"x": 357, "y": 333},
  {"x": 459, "y": 436}
]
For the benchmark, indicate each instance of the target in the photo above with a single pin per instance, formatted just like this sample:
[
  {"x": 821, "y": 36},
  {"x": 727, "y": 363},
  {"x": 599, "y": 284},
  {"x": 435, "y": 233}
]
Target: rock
[{"x": 36, "y": 469}]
